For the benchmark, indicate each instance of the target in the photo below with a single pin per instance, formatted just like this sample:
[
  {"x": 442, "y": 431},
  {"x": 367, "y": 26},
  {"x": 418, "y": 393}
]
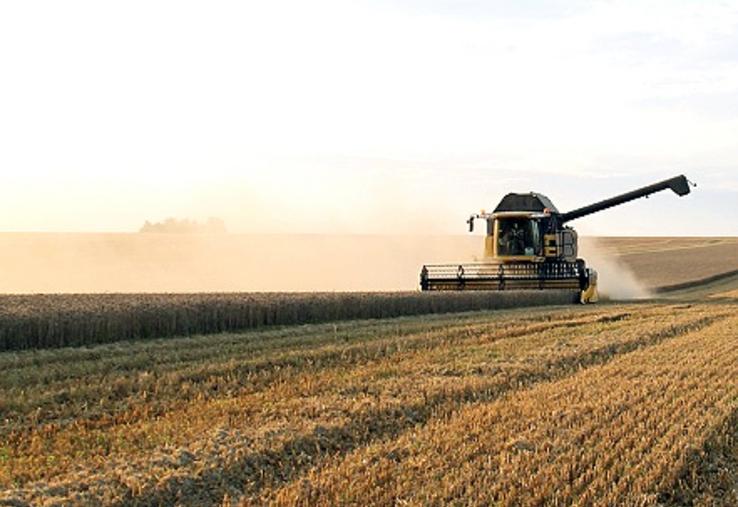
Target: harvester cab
[{"x": 529, "y": 246}]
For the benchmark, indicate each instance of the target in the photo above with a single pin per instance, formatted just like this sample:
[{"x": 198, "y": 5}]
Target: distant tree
[
  {"x": 215, "y": 224},
  {"x": 184, "y": 226}
]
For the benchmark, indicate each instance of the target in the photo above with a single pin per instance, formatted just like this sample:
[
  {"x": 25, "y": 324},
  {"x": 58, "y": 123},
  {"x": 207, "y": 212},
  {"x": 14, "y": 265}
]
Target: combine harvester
[{"x": 528, "y": 246}]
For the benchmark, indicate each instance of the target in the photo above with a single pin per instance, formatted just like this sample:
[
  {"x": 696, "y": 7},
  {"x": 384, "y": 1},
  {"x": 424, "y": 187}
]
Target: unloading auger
[{"x": 528, "y": 246}]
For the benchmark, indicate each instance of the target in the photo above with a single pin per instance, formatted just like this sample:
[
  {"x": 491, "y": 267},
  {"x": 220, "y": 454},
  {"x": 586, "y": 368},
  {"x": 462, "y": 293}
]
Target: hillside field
[{"x": 621, "y": 403}]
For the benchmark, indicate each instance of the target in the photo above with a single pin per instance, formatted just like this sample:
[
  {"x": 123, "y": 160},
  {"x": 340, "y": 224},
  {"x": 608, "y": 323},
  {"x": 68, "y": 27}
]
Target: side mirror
[{"x": 471, "y": 223}]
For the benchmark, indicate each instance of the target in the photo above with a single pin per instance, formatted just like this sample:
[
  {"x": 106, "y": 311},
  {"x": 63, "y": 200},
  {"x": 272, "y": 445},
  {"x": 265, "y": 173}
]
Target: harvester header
[{"x": 528, "y": 246}]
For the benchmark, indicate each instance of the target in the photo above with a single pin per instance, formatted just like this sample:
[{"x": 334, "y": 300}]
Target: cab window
[{"x": 518, "y": 236}]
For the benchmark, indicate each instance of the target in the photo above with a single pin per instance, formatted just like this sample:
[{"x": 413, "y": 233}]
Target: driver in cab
[{"x": 513, "y": 240}]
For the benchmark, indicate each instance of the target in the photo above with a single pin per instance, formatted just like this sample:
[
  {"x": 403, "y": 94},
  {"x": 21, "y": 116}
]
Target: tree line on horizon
[{"x": 184, "y": 226}]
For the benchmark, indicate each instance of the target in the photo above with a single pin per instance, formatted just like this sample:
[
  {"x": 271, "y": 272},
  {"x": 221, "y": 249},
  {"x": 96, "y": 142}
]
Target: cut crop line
[
  {"x": 412, "y": 416},
  {"x": 515, "y": 419},
  {"x": 709, "y": 474},
  {"x": 383, "y": 423},
  {"x": 260, "y": 372}
]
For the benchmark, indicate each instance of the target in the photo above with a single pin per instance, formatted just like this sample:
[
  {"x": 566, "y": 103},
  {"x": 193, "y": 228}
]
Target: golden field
[
  {"x": 622, "y": 403},
  {"x": 566, "y": 405}
]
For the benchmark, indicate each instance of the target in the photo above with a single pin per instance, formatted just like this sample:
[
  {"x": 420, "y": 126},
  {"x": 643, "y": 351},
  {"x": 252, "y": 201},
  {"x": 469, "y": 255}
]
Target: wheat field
[
  {"x": 124, "y": 400},
  {"x": 619, "y": 404}
]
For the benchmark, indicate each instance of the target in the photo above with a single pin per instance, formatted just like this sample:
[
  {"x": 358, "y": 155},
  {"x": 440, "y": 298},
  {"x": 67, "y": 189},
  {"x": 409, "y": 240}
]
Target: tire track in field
[
  {"x": 278, "y": 467},
  {"x": 506, "y": 451},
  {"x": 83, "y": 435},
  {"x": 310, "y": 449},
  {"x": 709, "y": 475},
  {"x": 255, "y": 374},
  {"x": 583, "y": 462}
]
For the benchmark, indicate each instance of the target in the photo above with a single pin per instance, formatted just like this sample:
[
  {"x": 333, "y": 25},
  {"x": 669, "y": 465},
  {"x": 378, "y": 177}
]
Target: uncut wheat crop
[{"x": 71, "y": 320}]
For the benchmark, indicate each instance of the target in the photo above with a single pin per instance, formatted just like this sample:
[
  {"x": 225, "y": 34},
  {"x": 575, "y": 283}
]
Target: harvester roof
[{"x": 526, "y": 202}]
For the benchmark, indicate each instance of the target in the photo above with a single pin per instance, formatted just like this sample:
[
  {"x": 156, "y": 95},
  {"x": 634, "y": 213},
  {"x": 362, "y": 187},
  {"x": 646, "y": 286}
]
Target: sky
[{"x": 365, "y": 117}]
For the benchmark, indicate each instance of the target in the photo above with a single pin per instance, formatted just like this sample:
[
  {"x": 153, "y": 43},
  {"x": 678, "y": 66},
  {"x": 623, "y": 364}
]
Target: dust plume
[
  {"x": 402, "y": 225},
  {"x": 615, "y": 279},
  {"x": 151, "y": 262}
]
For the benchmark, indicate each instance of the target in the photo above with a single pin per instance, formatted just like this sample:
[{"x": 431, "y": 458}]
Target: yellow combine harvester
[{"x": 528, "y": 246}]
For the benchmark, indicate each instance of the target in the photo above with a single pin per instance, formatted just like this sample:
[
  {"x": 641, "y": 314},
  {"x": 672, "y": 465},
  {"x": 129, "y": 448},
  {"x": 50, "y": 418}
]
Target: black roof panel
[{"x": 526, "y": 202}]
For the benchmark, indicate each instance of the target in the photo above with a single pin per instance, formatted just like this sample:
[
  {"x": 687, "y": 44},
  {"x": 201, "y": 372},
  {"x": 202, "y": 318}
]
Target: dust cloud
[
  {"x": 615, "y": 279},
  {"x": 69, "y": 263}
]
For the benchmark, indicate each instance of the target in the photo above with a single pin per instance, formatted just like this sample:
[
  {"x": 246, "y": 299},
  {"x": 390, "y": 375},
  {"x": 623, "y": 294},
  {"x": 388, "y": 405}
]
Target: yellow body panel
[
  {"x": 516, "y": 259},
  {"x": 489, "y": 246},
  {"x": 549, "y": 245},
  {"x": 590, "y": 294}
]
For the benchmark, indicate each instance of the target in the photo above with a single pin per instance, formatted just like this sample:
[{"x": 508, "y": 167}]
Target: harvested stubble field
[
  {"x": 619, "y": 404},
  {"x": 673, "y": 262}
]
